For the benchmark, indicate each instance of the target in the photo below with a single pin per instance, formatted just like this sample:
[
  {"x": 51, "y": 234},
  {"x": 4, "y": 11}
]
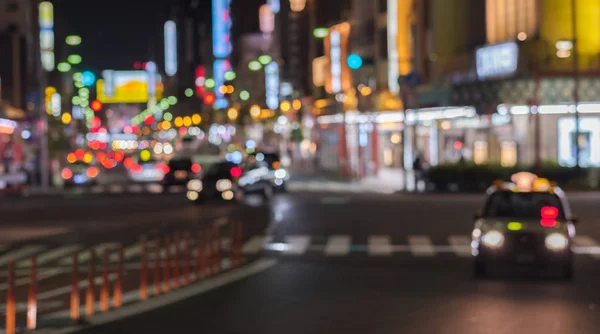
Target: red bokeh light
[
  {"x": 66, "y": 174},
  {"x": 183, "y": 131},
  {"x": 547, "y": 222},
  {"x": 209, "y": 98},
  {"x": 137, "y": 65},
  {"x": 96, "y": 122},
  {"x": 136, "y": 168},
  {"x": 128, "y": 163},
  {"x": 458, "y": 145},
  {"x": 79, "y": 153},
  {"x": 119, "y": 156},
  {"x": 163, "y": 167},
  {"x": 196, "y": 168},
  {"x": 236, "y": 172},
  {"x": 96, "y": 105},
  {"x": 149, "y": 120}
]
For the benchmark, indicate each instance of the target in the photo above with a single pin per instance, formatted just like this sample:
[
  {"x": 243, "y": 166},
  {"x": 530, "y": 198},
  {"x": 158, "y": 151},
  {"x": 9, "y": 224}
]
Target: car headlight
[
  {"x": 195, "y": 185},
  {"x": 493, "y": 239},
  {"x": 223, "y": 185},
  {"x": 280, "y": 173},
  {"x": 556, "y": 242},
  {"x": 192, "y": 195}
]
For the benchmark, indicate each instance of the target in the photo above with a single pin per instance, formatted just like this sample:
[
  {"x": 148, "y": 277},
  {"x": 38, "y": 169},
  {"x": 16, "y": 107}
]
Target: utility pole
[{"x": 576, "y": 81}]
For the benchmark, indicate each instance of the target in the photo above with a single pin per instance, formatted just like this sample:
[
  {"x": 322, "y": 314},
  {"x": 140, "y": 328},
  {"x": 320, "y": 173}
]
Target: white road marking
[
  {"x": 84, "y": 256},
  {"x": 20, "y": 253},
  {"x": 587, "y": 242},
  {"x": 335, "y": 200},
  {"x": 461, "y": 244},
  {"x": 338, "y": 245},
  {"x": 379, "y": 245},
  {"x": 296, "y": 244},
  {"x": 174, "y": 296},
  {"x": 421, "y": 245},
  {"x": 51, "y": 255},
  {"x": 255, "y": 244}
]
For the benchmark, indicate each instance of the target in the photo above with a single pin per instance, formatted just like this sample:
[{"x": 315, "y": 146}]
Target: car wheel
[{"x": 479, "y": 269}]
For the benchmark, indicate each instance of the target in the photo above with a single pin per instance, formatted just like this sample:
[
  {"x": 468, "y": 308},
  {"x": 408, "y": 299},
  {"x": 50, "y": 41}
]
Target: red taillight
[
  {"x": 546, "y": 222},
  {"x": 236, "y": 172},
  {"x": 196, "y": 168},
  {"x": 549, "y": 212},
  {"x": 92, "y": 172},
  {"x": 164, "y": 168},
  {"x": 128, "y": 163},
  {"x": 66, "y": 174}
]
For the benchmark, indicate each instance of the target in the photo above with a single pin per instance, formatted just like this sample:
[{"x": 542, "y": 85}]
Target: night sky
[{"x": 116, "y": 33}]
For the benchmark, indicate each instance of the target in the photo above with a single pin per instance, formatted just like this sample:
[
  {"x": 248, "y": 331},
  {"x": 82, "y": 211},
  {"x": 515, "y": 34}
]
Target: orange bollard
[
  {"x": 200, "y": 260},
  {"x": 166, "y": 276},
  {"x": 157, "y": 267},
  {"x": 218, "y": 248},
  {"x": 176, "y": 276},
  {"x": 208, "y": 251},
  {"x": 75, "y": 290},
  {"x": 105, "y": 284},
  {"x": 90, "y": 298},
  {"x": 118, "y": 289},
  {"x": 31, "y": 298},
  {"x": 144, "y": 271},
  {"x": 11, "y": 307},
  {"x": 186, "y": 260}
]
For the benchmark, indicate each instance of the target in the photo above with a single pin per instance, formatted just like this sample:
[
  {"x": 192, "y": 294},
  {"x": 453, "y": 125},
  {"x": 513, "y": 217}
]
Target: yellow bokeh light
[
  {"x": 232, "y": 113},
  {"x": 178, "y": 122},
  {"x": 297, "y": 104},
  {"x": 366, "y": 90},
  {"x": 285, "y": 106},
  {"x": 230, "y": 89},
  {"x": 145, "y": 155},
  {"x": 196, "y": 119},
  {"x": 187, "y": 121},
  {"x": 166, "y": 125},
  {"x": 66, "y": 118},
  {"x": 223, "y": 89},
  {"x": 50, "y": 90},
  {"x": 255, "y": 111},
  {"x": 87, "y": 158}
]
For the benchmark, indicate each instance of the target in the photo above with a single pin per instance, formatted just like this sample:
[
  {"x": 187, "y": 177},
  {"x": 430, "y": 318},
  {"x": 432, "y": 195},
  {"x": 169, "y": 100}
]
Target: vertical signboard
[
  {"x": 219, "y": 69},
  {"x": 339, "y": 76},
  {"x": 392, "y": 44},
  {"x": 221, "y": 26},
  {"x": 46, "y": 22},
  {"x": 170, "y": 48},
  {"x": 272, "y": 85}
]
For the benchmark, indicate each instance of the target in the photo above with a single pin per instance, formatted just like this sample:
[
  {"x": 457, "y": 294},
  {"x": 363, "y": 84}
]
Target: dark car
[
  {"x": 180, "y": 172},
  {"x": 524, "y": 227},
  {"x": 219, "y": 181},
  {"x": 270, "y": 169}
]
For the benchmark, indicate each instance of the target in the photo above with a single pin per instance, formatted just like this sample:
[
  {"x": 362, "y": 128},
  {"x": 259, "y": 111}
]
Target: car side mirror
[{"x": 574, "y": 219}]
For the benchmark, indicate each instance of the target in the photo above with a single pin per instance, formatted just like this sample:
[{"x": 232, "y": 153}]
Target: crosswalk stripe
[
  {"x": 20, "y": 253},
  {"x": 51, "y": 255},
  {"x": 338, "y": 245},
  {"x": 297, "y": 244},
  {"x": 379, "y": 245},
  {"x": 586, "y": 241},
  {"x": 461, "y": 244},
  {"x": 255, "y": 244},
  {"x": 421, "y": 245}
]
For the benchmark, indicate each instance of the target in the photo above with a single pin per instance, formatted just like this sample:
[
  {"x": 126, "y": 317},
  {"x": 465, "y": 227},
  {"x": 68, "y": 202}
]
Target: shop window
[
  {"x": 480, "y": 152},
  {"x": 588, "y": 141},
  {"x": 508, "y": 154}
]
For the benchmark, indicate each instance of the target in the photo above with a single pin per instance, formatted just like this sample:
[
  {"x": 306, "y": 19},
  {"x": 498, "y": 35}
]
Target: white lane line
[
  {"x": 461, "y": 244},
  {"x": 174, "y": 296},
  {"x": 84, "y": 256},
  {"x": 51, "y": 255},
  {"x": 20, "y": 253},
  {"x": 255, "y": 244},
  {"x": 587, "y": 241},
  {"x": 421, "y": 245},
  {"x": 296, "y": 244},
  {"x": 379, "y": 245},
  {"x": 338, "y": 245}
]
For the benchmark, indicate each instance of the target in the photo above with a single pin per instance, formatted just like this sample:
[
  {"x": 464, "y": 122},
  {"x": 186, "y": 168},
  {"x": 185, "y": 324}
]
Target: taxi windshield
[{"x": 521, "y": 204}]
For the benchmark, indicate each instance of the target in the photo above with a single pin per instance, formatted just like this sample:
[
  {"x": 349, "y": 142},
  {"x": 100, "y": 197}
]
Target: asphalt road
[{"x": 384, "y": 264}]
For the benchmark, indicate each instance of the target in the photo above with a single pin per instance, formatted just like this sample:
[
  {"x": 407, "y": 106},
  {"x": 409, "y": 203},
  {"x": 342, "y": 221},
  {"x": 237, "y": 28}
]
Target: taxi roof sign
[{"x": 524, "y": 180}]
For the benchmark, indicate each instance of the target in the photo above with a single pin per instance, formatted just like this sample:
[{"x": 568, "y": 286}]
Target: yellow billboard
[{"x": 127, "y": 87}]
